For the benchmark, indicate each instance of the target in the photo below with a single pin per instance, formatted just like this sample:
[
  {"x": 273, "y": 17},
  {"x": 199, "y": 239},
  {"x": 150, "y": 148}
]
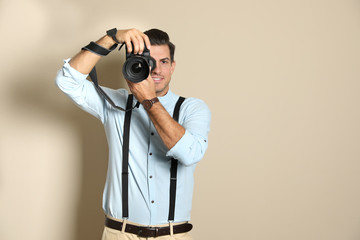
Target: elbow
[
  {"x": 194, "y": 153},
  {"x": 190, "y": 149},
  {"x": 60, "y": 81}
]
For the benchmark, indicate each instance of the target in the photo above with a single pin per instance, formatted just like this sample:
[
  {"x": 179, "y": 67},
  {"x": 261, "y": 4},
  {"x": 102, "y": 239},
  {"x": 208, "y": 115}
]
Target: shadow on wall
[{"x": 40, "y": 94}]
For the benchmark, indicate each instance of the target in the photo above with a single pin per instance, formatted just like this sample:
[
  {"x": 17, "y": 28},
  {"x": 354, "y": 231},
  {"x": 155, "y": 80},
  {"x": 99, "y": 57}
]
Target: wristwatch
[
  {"x": 147, "y": 103},
  {"x": 112, "y": 33}
]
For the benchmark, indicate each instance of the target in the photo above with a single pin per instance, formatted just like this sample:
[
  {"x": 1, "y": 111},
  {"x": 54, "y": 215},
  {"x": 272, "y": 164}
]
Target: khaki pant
[{"x": 113, "y": 234}]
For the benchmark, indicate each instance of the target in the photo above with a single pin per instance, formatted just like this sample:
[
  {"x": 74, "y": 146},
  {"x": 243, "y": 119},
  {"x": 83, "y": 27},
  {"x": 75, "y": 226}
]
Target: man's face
[{"x": 164, "y": 68}]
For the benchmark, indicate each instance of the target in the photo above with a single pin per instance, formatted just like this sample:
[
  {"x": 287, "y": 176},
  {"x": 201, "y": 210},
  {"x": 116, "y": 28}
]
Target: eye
[{"x": 164, "y": 61}]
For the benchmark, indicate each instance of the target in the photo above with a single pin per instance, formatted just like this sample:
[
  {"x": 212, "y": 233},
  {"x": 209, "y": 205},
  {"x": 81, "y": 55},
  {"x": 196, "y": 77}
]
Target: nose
[{"x": 156, "y": 70}]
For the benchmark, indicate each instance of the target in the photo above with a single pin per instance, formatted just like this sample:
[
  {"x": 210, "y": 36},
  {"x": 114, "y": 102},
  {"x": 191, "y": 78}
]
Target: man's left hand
[{"x": 144, "y": 89}]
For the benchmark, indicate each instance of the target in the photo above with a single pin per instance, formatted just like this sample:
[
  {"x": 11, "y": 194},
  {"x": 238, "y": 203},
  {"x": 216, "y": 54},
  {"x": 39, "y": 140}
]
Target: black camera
[{"x": 137, "y": 66}]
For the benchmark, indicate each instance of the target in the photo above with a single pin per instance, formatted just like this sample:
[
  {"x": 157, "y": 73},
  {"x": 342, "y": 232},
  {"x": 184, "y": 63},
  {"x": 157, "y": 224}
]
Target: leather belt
[{"x": 145, "y": 232}]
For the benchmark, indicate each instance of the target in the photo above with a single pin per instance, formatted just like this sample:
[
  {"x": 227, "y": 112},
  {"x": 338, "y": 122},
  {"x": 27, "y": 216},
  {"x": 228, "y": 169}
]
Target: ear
[{"x": 173, "y": 65}]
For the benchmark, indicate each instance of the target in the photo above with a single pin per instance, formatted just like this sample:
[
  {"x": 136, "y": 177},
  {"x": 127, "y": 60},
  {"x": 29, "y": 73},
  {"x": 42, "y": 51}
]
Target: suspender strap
[
  {"x": 177, "y": 108},
  {"x": 125, "y": 160},
  {"x": 173, "y": 169}
]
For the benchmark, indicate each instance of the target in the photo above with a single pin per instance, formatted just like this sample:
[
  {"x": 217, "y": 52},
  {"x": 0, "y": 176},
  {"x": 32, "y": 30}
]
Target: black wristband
[
  {"x": 112, "y": 34},
  {"x": 97, "y": 49}
]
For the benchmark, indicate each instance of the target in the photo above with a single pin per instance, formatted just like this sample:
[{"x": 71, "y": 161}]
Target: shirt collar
[{"x": 167, "y": 98}]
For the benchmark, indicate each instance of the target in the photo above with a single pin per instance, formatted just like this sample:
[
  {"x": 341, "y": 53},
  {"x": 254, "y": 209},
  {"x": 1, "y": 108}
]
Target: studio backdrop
[{"x": 282, "y": 80}]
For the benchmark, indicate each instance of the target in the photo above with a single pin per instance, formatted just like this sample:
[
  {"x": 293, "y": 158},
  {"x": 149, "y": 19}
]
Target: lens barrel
[
  {"x": 136, "y": 69},
  {"x": 137, "y": 66}
]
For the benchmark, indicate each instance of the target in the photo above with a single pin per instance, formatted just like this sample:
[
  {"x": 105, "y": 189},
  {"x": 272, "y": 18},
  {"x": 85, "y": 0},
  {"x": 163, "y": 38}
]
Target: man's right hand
[
  {"x": 134, "y": 36},
  {"x": 84, "y": 61}
]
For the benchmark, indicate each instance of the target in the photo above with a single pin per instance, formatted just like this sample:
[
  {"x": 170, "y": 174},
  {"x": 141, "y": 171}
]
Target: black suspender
[
  {"x": 173, "y": 169},
  {"x": 125, "y": 163}
]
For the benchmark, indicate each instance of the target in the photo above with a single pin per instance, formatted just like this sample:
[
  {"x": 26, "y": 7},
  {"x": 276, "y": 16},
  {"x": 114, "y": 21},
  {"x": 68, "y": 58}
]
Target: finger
[
  {"x": 136, "y": 45},
  {"x": 129, "y": 83},
  {"x": 128, "y": 44},
  {"x": 149, "y": 78},
  {"x": 146, "y": 40},
  {"x": 141, "y": 43}
]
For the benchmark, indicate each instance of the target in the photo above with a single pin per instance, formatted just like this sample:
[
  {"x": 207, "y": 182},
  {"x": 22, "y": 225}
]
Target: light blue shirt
[{"x": 149, "y": 159}]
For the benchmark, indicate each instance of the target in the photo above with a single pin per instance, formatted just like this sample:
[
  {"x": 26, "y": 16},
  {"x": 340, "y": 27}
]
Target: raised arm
[
  {"x": 71, "y": 79},
  {"x": 85, "y": 60}
]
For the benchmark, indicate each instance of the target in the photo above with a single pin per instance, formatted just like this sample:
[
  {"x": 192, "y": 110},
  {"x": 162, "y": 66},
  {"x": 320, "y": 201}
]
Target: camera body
[{"x": 137, "y": 66}]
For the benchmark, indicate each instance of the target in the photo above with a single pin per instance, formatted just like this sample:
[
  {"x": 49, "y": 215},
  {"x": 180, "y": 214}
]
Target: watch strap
[
  {"x": 148, "y": 103},
  {"x": 154, "y": 100}
]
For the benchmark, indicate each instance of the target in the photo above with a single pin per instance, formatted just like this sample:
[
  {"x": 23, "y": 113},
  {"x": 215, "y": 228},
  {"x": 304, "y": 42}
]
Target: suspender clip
[
  {"x": 171, "y": 228},
  {"x": 124, "y": 225}
]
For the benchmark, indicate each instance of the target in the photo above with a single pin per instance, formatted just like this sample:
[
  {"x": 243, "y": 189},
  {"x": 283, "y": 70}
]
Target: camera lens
[{"x": 136, "y": 69}]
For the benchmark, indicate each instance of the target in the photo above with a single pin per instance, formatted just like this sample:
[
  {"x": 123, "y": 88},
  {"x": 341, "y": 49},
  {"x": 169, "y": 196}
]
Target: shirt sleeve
[
  {"x": 195, "y": 117},
  {"x": 82, "y": 92}
]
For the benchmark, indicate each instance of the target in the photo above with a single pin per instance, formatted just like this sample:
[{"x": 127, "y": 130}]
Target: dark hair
[{"x": 158, "y": 37}]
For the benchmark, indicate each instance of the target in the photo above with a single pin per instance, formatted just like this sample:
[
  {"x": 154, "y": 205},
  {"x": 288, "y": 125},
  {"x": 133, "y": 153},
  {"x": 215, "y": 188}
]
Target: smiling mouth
[{"x": 157, "y": 79}]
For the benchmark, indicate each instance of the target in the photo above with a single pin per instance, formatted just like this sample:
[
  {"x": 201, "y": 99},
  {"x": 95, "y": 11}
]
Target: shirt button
[
  {"x": 152, "y": 134},
  {"x": 152, "y": 201},
  {"x": 150, "y": 177},
  {"x": 150, "y": 154}
]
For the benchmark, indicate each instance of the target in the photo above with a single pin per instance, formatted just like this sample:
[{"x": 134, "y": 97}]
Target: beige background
[{"x": 281, "y": 78}]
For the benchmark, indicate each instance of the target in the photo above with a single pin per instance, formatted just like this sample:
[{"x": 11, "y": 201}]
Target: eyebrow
[{"x": 165, "y": 59}]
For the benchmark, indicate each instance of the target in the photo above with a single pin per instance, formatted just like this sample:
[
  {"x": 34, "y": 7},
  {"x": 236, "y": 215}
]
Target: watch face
[{"x": 147, "y": 104}]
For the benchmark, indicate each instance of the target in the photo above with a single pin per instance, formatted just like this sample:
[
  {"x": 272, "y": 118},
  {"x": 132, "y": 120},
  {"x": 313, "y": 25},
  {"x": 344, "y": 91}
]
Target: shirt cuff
[
  {"x": 71, "y": 72},
  {"x": 181, "y": 147}
]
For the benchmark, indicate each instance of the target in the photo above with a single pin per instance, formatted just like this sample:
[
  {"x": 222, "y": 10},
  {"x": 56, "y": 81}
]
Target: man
[{"x": 158, "y": 189}]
